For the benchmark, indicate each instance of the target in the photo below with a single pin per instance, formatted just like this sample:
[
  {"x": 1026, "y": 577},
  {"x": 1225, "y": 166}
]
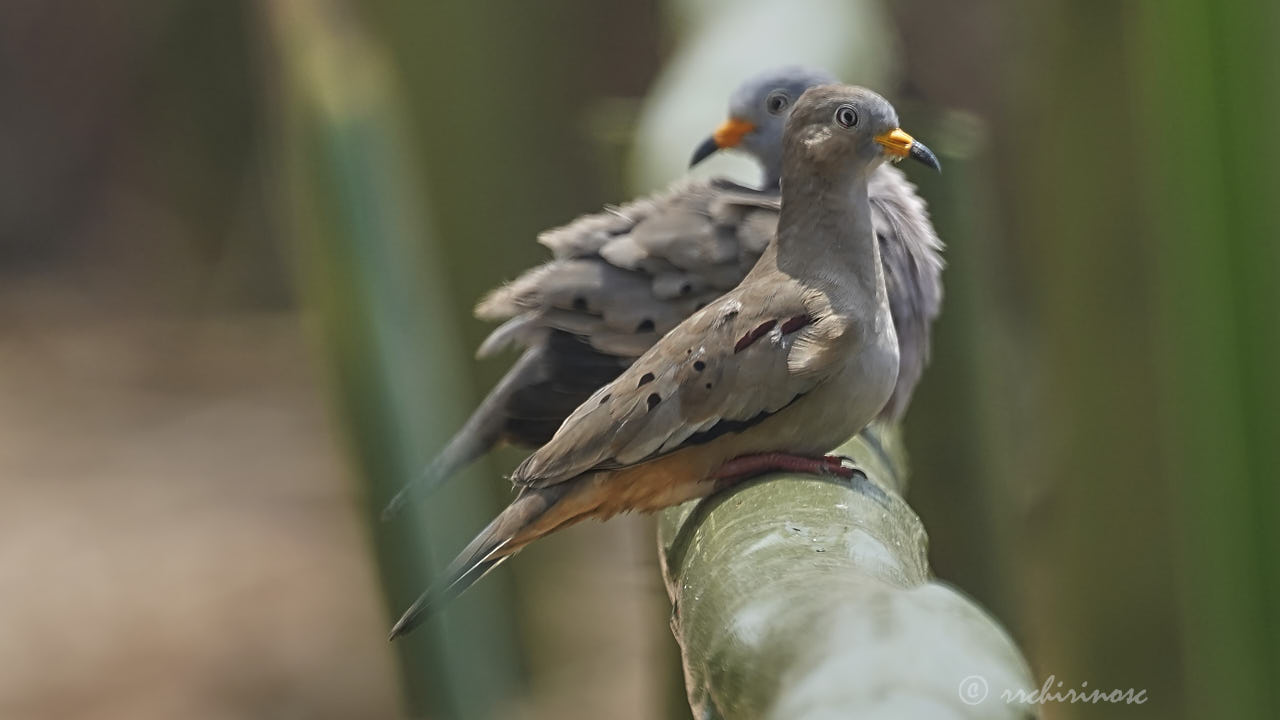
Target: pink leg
[{"x": 745, "y": 466}]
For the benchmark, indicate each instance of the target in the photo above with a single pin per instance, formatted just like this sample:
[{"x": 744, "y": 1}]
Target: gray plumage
[
  {"x": 798, "y": 357},
  {"x": 621, "y": 279}
]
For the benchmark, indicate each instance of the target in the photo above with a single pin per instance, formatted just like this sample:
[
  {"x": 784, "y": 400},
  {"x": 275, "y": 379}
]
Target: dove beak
[
  {"x": 729, "y": 134},
  {"x": 898, "y": 144}
]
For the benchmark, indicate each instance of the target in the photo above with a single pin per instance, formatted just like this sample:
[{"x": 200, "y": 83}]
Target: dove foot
[{"x": 746, "y": 466}]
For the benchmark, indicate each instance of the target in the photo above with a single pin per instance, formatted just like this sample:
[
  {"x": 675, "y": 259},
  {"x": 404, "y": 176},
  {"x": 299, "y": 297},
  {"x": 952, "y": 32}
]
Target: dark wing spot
[
  {"x": 795, "y": 324},
  {"x": 605, "y": 399},
  {"x": 686, "y": 288},
  {"x": 699, "y": 365},
  {"x": 745, "y": 341},
  {"x": 732, "y": 426},
  {"x": 708, "y": 386},
  {"x": 645, "y": 379},
  {"x": 580, "y": 304},
  {"x": 653, "y": 400},
  {"x": 646, "y": 325}
]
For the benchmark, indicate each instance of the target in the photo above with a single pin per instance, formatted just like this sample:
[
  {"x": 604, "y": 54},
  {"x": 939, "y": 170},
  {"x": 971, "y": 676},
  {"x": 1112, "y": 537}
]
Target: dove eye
[
  {"x": 846, "y": 116},
  {"x": 776, "y": 102}
]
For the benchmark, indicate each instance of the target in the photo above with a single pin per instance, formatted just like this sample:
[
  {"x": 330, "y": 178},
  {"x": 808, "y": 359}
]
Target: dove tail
[
  {"x": 523, "y": 521},
  {"x": 481, "y": 433}
]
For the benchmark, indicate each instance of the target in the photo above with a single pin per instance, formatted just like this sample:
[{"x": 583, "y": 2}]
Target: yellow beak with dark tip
[
  {"x": 899, "y": 144},
  {"x": 896, "y": 142},
  {"x": 729, "y": 134}
]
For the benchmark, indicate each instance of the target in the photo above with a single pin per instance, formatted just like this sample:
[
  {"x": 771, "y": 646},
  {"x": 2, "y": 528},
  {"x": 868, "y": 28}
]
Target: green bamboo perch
[{"x": 804, "y": 597}]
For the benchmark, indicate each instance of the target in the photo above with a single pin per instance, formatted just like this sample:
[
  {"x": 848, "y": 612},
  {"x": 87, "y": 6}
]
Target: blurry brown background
[{"x": 239, "y": 243}]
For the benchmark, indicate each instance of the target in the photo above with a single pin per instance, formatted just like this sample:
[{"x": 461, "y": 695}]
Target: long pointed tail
[
  {"x": 528, "y": 517},
  {"x": 480, "y": 434}
]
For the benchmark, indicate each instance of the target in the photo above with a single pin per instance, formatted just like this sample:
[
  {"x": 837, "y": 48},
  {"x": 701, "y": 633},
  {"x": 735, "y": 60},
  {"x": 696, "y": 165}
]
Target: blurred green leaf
[{"x": 370, "y": 288}]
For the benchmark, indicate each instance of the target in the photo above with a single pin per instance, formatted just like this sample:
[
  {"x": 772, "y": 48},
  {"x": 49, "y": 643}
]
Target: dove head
[
  {"x": 842, "y": 131},
  {"x": 758, "y": 110}
]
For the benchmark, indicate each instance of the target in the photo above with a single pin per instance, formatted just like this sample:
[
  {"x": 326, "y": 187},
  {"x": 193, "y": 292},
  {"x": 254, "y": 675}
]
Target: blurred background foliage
[{"x": 239, "y": 243}]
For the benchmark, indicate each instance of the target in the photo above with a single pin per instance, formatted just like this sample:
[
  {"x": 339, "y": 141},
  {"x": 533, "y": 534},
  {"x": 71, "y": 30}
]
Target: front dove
[
  {"x": 800, "y": 356},
  {"x": 623, "y": 278}
]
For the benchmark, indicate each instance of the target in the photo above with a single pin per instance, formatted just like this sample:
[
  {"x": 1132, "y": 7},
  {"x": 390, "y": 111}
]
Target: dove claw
[{"x": 746, "y": 466}]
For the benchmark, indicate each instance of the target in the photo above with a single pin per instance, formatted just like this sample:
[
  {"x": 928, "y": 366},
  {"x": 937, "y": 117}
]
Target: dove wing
[
  {"x": 911, "y": 254},
  {"x": 732, "y": 364},
  {"x": 623, "y": 278}
]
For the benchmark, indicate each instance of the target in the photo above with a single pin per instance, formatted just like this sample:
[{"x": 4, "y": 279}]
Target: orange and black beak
[
  {"x": 899, "y": 145},
  {"x": 729, "y": 134}
]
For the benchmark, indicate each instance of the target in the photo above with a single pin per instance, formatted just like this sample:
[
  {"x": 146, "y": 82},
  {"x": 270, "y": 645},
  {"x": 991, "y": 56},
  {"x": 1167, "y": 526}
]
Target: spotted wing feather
[
  {"x": 640, "y": 268},
  {"x": 688, "y": 383}
]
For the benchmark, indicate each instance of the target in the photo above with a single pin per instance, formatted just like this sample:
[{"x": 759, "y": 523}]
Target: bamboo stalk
[
  {"x": 802, "y": 597},
  {"x": 1208, "y": 100},
  {"x": 366, "y": 270}
]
